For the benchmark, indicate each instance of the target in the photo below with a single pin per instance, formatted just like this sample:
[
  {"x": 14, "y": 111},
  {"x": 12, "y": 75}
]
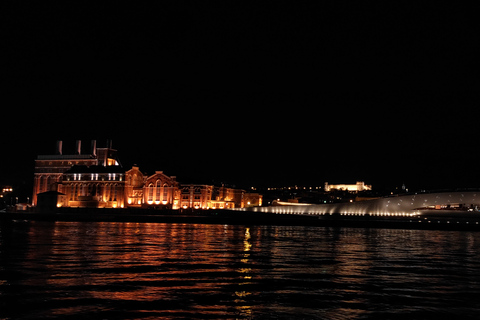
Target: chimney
[
  {"x": 94, "y": 148},
  {"x": 58, "y": 150},
  {"x": 79, "y": 146}
]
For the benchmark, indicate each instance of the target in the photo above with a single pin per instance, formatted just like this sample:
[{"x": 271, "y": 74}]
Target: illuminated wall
[
  {"x": 97, "y": 179},
  {"x": 395, "y": 205},
  {"x": 49, "y": 169},
  {"x": 196, "y": 196},
  {"x": 93, "y": 187},
  {"x": 134, "y": 183},
  {"x": 253, "y": 200},
  {"x": 359, "y": 186},
  {"x": 228, "y": 198},
  {"x": 161, "y": 190}
]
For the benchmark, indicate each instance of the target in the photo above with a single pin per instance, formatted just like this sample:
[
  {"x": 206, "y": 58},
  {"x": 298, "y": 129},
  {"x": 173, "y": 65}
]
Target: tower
[{"x": 107, "y": 156}]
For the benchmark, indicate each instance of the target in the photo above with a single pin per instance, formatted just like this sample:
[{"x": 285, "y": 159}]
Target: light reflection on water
[{"x": 174, "y": 271}]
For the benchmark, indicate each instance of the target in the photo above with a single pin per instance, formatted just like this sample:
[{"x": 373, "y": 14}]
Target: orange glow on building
[
  {"x": 50, "y": 169},
  {"x": 97, "y": 180},
  {"x": 359, "y": 186}
]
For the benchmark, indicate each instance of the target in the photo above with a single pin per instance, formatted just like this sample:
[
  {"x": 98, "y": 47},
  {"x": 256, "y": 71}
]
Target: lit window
[
  {"x": 150, "y": 194},
  {"x": 157, "y": 191}
]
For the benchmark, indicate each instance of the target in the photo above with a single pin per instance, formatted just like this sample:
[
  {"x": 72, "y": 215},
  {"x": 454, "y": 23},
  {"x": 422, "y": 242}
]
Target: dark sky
[{"x": 248, "y": 93}]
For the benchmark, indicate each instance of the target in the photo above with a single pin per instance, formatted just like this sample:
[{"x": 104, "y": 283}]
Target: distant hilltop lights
[
  {"x": 357, "y": 187},
  {"x": 97, "y": 180}
]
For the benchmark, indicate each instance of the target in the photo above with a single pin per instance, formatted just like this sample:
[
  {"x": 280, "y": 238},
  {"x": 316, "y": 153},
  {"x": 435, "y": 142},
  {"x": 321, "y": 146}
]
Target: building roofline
[{"x": 65, "y": 156}]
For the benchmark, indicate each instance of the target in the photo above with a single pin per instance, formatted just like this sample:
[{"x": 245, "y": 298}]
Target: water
[{"x": 82, "y": 270}]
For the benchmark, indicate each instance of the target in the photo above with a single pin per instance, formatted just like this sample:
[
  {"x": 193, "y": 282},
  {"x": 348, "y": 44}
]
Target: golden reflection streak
[{"x": 244, "y": 309}]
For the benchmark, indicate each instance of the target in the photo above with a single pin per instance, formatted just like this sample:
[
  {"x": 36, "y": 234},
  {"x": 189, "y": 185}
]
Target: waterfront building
[
  {"x": 357, "y": 187},
  {"x": 98, "y": 180},
  {"x": 161, "y": 191},
  {"x": 134, "y": 183},
  {"x": 49, "y": 169},
  {"x": 235, "y": 198},
  {"x": 196, "y": 196},
  {"x": 253, "y": 200},
  {"x": 225, "y": 197},
  {"x": 95, "y": 186}
]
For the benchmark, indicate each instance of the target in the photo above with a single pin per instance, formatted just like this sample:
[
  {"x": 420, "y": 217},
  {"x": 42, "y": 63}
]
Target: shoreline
[{"x": 229, "y": 217}]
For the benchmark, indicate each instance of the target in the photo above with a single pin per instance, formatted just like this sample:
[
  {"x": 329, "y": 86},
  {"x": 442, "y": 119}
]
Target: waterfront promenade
[{"x": 433, "y": 219}]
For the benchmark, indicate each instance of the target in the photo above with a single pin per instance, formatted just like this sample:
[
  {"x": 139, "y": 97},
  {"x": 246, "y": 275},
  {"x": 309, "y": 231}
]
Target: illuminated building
[
  {"x": 97, "y": 180},
  {"x": 95, "y": 186},
  {"x": 253, "y": 200},
  {"x": 134, "y": 182},
  {"x": 235, "y": 198},
  {"x": 227, "y": 198},
  {"x": 196, "y": 196},
  {"x": 359, "y": 186},
  {"x": 161, "y": 190},
  {"x": 49, "y": 169}
]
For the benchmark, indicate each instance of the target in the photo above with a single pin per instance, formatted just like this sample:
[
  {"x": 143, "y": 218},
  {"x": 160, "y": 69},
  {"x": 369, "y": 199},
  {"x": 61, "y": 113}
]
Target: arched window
[
  {"x": 150, "y": 193},
  {"x": 165, "y": 192},
  {"x": 158, "y": 185}
]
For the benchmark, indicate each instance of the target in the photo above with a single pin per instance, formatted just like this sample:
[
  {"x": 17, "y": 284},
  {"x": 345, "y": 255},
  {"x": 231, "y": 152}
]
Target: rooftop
[{"x": 65, "y": 156}]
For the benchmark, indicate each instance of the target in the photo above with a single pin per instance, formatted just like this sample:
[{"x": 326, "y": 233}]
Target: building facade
[
  {"x": 49, "y": 169},
  {"x": 357, "y": 187},
  {"x": 253, "y": 200},
  {"x": 196, "y": 196},
  {"x": 94, "y": 186},
  {"x": 134, "y": 182},
  {"x": 97, "y": 180},
  {"x": 228, "y": 198},
  {"x": 161, "y": 191}
]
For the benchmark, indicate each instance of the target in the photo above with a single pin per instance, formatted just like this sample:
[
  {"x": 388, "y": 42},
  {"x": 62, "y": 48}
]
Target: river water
[{"x": 97, "y": 270}]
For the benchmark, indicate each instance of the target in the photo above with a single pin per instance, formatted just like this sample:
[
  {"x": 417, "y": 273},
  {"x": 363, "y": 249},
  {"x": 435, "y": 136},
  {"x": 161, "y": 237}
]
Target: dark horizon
[
  {"x": 216, "y": 169},
  {"x": 262, "y": 95}
]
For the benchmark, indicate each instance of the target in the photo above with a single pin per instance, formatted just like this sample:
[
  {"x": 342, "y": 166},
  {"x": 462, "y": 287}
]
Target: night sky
[{"x": 248, "y": 94}]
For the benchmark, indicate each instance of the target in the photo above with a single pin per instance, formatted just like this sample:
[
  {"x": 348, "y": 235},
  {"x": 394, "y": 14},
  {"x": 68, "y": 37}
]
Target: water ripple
[{"x": 75, "y": 270}]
